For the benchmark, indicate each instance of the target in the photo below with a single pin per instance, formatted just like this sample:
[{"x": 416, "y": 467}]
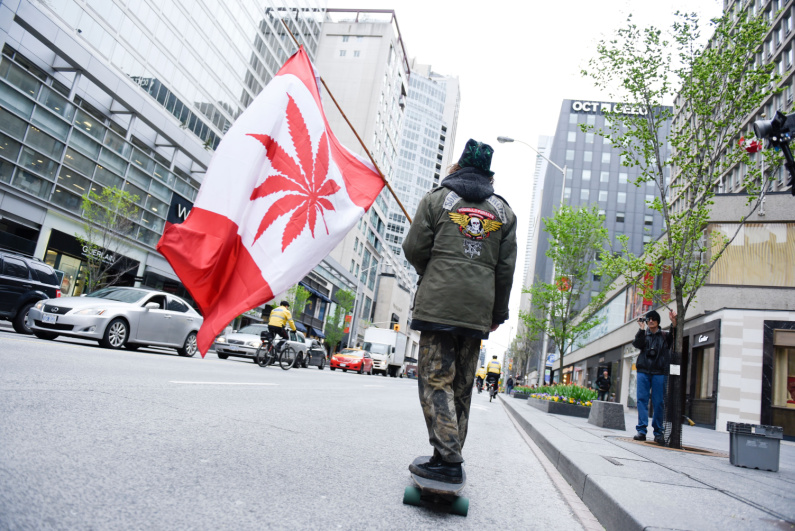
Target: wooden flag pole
[{"x": 389, "y": 187}]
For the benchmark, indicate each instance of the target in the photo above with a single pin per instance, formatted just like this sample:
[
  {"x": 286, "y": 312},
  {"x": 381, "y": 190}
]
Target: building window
[
  {"x": 604, "y": 177},
  {"x": 646, "y": 239},
  {"x": 622, "y": 197},
  {"x": 591, "y": 119},
  {"x": 569, "y": 173},
  {"x": 572, "y": 118},
  {"x": 572, "y": 136},
  {"x": 345, "y": 38},
  {"x": 584, "y": 195},
  {"x": 586, "y": 175},
  {"x": 569, "y": 154},
  {"x": 589, "y": 138},
  {"x": 649, "y": 198},
  {"x": 784, "y": 369},
  {"x": 342, "y": 53},
  {"x": 602, "y": 195},
  {"x": 619, "y": 217},
  {"x": 605, "y": 158},
  {"x": 622, "y": 177},
  {"x": 567, "y": 193},
  {"x": 587, "y": 156},
  {"x": 356, "y": 53},
  {"x": 648, "y": 219}
]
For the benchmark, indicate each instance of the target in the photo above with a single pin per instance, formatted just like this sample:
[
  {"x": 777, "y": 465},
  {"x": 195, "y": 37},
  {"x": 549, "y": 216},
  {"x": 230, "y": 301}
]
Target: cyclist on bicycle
[
  {"x": 480, "y": 375},
  {"x": 279, "y": 319},
  {"x": 493, "y": 371}
]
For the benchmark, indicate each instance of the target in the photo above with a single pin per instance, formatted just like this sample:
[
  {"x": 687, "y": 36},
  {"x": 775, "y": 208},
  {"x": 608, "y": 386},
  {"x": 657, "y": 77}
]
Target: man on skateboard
[{"x": 462, "y": 243}]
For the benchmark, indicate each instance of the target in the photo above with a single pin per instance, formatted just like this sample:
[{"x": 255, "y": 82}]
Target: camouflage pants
[{"x": 446, "y": 371}]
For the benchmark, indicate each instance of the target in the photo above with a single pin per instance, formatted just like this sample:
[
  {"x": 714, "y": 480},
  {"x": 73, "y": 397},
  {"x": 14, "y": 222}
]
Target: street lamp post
[{"x": 543, "y": 358}]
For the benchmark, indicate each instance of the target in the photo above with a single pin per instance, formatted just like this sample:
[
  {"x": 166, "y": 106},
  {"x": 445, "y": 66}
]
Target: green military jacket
[{"x": 465, "y": 254}]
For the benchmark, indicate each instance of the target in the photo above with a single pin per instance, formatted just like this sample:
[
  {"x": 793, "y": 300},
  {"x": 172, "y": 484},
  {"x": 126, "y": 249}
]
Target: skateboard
[{"x": 436, "y": 493}]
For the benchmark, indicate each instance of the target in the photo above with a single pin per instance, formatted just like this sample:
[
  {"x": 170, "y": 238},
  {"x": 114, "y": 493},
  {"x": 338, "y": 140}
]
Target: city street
[{"x": 101, "y": 439}]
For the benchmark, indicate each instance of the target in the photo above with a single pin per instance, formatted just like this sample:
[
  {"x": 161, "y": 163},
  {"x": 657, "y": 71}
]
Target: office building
[
  {"x": 426, "y": 147},
  {"x": 362, "y": 59}
]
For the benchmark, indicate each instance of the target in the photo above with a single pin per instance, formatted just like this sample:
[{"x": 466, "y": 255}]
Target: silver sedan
[{"x": 120, "y": 316}]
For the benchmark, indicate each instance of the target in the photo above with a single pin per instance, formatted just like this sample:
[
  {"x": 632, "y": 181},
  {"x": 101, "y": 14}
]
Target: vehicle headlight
[
  {"x": 255, "y": 343},
  {"x": 39, "y": 305},
  {"x": 221, "y": 340},
  {"x": 91, "y": 311}
]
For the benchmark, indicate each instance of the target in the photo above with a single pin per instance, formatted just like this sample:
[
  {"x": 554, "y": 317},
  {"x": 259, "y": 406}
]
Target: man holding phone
[{"x": 652, "y": 365}]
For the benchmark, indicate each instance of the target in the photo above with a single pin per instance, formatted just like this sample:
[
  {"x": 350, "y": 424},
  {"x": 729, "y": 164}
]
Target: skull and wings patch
[{"x": 475, "y": 223}]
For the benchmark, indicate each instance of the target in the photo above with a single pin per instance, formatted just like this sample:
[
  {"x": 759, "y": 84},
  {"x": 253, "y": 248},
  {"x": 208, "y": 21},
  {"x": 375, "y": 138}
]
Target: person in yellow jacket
[
  {"x": 480, "y": 375},
  {"x": 493, "y": 371},
  {"x": 279, "y": 319}
]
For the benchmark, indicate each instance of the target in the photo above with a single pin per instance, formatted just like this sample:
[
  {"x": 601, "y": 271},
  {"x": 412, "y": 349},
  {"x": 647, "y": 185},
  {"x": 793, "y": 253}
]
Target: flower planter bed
[
  {"x": 522, "y": 396},
  {"x": 560, "y": 408}
]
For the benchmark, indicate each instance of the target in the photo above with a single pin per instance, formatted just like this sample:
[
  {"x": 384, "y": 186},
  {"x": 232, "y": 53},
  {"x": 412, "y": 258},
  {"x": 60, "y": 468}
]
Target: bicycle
[
  {"x": 267, "y": 353},
  {"x": 492, "y": 387}
]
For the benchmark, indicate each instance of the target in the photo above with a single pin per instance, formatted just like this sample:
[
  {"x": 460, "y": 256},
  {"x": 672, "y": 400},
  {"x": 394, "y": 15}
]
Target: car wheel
[
  {"x": 361, "y": 369},
  {"x": 115, "y": 334},
  {"x": 322, "y": 364},
  {"x": 344, "y": 370},
  {"x": 131, "y": 346},
  {"x": 333, "y": 368},
  {"x": 189, "y": 348},
  {"x": 44, "y": 335},
  {"x": 221, "y": 356},
  {"x": 20, "y": 323}
]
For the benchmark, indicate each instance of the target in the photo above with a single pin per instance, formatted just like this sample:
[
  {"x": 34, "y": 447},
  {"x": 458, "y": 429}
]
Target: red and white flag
[
  {"x": 751, "y": 145},
  {"x": 279, "y": 194}
]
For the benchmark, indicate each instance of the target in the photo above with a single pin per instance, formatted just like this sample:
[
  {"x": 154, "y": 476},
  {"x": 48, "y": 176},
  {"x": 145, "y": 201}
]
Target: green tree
[
  {"x": 577, "y": 236},
  {"x": 335, "y": 326},
  {"x": 108, "y": 220},
  {"x": 716, "y": 87},
  {"x": 297, "y": 296}
]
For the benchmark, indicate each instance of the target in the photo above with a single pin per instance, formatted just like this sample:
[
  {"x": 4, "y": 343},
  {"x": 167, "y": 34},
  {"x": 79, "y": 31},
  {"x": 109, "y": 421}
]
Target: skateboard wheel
[
  {"x": 411, "y": 496},
  {"x": 460, "y": 506}
]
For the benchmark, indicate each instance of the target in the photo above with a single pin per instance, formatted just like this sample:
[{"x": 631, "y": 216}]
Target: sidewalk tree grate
[{"x": 687, "y": 449}]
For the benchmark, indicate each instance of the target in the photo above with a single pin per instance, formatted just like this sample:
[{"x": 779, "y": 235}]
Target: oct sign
[{"x": 595, "y": 106}]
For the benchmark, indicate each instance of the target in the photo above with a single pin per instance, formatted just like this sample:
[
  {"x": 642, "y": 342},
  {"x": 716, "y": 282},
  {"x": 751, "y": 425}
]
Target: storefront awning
[
  {"x": 315, "y": 292},
  {"x": 314, "y": 332},
  {"x": 300, "y": 326}
]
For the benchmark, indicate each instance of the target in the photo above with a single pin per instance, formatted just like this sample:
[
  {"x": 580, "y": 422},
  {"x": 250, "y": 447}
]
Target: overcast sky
[{"x": 516, "y": 62}]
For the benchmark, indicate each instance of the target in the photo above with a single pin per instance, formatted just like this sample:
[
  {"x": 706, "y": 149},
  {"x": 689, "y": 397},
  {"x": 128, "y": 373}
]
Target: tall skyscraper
[
  {"x": 362, "y": 59},
  {"x": 426, "y": 146}
]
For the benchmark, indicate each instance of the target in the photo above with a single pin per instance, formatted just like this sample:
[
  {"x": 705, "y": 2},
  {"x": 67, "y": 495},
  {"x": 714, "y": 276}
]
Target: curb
[{"x": 604, "y": 507}]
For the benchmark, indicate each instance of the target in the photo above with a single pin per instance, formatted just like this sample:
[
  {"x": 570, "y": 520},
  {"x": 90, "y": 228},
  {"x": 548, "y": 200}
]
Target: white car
[
  {"x": 245, "y": 342},
  {"x": 120, "y": 316}
]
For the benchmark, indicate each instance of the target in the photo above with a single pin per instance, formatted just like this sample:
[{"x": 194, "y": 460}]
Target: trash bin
[{"x": 754, "y": 446}]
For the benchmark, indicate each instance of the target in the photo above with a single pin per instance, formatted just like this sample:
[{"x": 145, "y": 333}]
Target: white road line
[
  {"x": 373, "y": 385},
  {"x": 222, "y": 383}
]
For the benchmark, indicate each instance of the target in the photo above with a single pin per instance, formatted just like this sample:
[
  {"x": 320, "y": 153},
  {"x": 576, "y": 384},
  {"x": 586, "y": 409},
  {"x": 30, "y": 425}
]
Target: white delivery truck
[{"x": 388, "y": 350}]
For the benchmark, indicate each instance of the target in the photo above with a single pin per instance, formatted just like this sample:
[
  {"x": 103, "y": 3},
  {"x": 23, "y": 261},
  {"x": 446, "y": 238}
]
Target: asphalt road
[{"x": 99, "y": 439}]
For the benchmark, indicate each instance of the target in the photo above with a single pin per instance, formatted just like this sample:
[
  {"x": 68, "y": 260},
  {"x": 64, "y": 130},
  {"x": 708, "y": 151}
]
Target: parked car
[
  {"x": 120, "y": 316},
  {"x": 315, "y": 356},
  {"x": 24, "y": 281},
  {"x": 245, "y": 342},
  {"x": 352, "y": 359}
]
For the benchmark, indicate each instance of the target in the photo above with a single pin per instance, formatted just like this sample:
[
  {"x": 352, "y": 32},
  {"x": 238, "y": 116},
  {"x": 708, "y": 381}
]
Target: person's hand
[
  {"x": 672, "y": 316},
  {"x": 494, "y": 326},
  {"x": 641, "y": 322}
]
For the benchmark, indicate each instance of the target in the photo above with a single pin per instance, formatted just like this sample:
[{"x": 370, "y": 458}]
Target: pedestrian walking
[
  {"x": 509, "y": 385},
  {"x": 652, "y": 365},
  {"x": 603, "y": 386},
  {"x": 462, "y": 243}
]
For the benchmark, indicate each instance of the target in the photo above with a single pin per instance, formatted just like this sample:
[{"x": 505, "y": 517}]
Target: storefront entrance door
[{"x": 702, "y": 388}]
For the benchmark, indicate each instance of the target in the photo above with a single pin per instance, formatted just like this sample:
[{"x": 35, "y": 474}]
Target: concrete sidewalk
[{"x": 629, "y": 485}]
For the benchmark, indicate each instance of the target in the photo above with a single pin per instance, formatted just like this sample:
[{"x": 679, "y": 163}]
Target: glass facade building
[{"x": 426, "y": 147}]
